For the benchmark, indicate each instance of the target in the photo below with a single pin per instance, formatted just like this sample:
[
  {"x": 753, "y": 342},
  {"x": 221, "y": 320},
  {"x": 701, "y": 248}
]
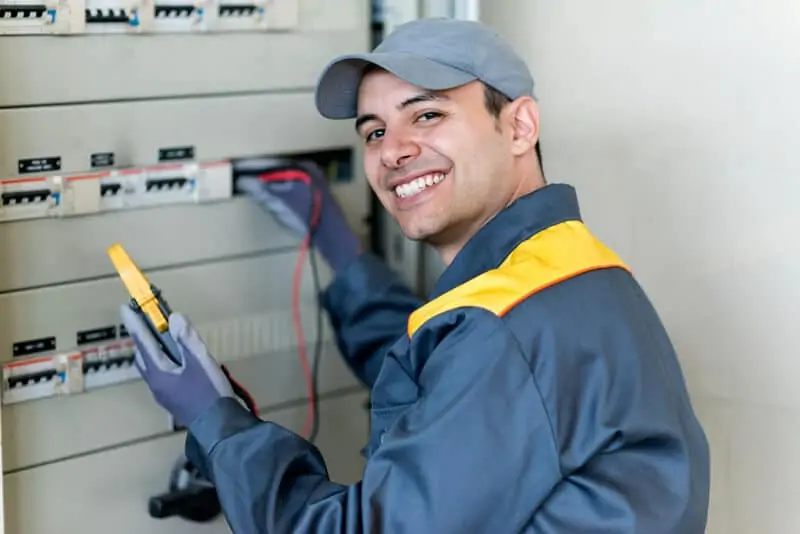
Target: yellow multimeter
[
  {"x": 146, "y": 299},
  {"x": 147, "y": 302}
]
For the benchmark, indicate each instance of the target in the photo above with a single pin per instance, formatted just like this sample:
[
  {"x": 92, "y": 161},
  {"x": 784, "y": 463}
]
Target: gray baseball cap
[{"x": 434, "y": 54}]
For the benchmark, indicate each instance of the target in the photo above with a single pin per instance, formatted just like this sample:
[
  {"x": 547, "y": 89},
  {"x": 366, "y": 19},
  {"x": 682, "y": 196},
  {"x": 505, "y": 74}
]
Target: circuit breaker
[{"x": 59, "y": 17}]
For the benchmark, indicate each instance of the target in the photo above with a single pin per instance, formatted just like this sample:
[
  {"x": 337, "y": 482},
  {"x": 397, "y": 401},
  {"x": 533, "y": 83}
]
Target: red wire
[{"x": 282, "y": 176}]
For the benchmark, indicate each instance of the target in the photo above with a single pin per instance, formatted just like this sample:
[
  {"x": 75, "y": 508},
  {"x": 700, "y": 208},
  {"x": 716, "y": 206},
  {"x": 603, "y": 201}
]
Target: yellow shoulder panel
[{"x": 556, "y": 254}]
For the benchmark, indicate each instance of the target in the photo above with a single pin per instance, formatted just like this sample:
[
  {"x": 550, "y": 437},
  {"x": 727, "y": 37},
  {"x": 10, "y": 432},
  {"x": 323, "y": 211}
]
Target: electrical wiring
[
  {"x": 184, "y": 468},
  {"x": 312, "y": 435},
  {"x": 310, "y": 370}
]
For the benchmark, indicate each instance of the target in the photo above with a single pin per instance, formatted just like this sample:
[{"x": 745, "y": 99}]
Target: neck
[
  {"x": 447, "y": 253},
  {"x": 448, "y": 249}
]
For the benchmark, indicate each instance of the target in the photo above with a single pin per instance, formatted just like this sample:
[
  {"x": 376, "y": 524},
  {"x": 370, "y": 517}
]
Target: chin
[
  {"x": 411, "y": 231},
  {"x": 414, "y": 235},
  {"x": 415, "y": 232},
  {"x": 417, "y": 225}
]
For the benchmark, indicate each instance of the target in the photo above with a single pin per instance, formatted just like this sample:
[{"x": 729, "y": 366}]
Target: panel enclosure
[{"x": 153, "y": 93}]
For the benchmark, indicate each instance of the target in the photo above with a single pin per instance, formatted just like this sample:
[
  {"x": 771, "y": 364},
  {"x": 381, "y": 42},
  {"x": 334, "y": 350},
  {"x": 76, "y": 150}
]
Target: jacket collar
[{"x": 528, "y": 215}]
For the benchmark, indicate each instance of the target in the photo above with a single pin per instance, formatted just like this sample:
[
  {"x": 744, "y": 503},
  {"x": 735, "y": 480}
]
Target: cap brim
[{"x": 336, "y": 94}]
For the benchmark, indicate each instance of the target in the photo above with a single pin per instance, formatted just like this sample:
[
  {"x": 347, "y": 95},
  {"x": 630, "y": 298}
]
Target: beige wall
[{"x": 677, "y": 122}]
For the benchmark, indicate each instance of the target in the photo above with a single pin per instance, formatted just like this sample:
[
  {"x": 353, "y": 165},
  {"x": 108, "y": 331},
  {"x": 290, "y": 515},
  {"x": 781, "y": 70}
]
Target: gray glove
[
  {"x": 295, "y": 193},
  {"x": 185, "y": 389}
]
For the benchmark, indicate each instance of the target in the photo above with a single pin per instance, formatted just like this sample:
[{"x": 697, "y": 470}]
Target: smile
[{"x": 418, "y": 185}]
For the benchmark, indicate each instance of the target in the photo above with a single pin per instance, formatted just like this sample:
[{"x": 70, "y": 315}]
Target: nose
[{"x": 397, "y": 150}]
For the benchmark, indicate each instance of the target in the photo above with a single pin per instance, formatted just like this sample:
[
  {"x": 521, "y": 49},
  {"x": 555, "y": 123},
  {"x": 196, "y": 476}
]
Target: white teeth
[{"x": 420, "y": 184}]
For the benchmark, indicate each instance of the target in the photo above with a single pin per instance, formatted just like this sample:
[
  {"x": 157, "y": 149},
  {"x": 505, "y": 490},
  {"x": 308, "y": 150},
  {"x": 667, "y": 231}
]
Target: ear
[{"x": 523, "y": 118}]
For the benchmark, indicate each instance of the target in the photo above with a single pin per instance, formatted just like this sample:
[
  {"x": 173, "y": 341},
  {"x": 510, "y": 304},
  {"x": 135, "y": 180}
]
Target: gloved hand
[
  {"x": 287, "y": 189},
  {"x": 185, "y": 390}
]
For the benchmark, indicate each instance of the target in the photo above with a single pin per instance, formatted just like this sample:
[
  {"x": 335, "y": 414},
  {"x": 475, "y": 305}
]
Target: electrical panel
[{"x": 120, "y": 121}]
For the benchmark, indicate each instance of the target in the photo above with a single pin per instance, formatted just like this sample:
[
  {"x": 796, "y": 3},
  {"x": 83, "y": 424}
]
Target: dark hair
[{"x": 495, "y": 101}]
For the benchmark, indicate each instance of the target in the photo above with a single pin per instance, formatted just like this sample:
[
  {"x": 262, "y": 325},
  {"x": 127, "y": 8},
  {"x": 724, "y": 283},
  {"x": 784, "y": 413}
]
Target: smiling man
[
  {"x": 536, "y": 389},
  {"x": 413, "y": 139}
]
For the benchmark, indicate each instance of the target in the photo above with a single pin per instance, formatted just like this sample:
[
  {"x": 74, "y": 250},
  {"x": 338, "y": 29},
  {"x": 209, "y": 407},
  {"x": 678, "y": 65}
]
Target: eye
[
  {"x": 429, "y": 115},
  {"x": 374, "y": 134}
]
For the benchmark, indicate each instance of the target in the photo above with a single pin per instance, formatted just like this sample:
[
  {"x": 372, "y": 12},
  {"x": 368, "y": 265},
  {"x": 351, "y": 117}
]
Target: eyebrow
[{"x": 427, "y": 96}]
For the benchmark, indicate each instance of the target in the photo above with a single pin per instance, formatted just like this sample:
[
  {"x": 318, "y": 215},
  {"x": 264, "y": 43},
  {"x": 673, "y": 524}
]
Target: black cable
[
  {"x": 312, "y": 258},
  {"x": 317, "y": 348},
  {"x": 308, "y": 169}
]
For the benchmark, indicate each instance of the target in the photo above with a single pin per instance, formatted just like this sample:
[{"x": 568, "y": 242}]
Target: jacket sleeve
[
  {"x": 634, "y": 455},
  {"x": 368, "y": 306},
  {"x": 475, "y": 453}
]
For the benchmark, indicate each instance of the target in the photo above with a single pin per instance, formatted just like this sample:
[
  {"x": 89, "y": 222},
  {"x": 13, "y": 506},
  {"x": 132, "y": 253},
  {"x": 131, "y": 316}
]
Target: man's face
[{"x": 437, "y": 161}]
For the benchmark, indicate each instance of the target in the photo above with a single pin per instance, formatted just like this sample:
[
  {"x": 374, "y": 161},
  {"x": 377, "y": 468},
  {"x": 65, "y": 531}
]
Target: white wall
[{"x": 676, "y": 121}]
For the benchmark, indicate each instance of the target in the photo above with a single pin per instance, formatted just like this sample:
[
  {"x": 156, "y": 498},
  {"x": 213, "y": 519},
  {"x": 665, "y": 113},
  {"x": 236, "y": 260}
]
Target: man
[{"x": 535, "y": 391}]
